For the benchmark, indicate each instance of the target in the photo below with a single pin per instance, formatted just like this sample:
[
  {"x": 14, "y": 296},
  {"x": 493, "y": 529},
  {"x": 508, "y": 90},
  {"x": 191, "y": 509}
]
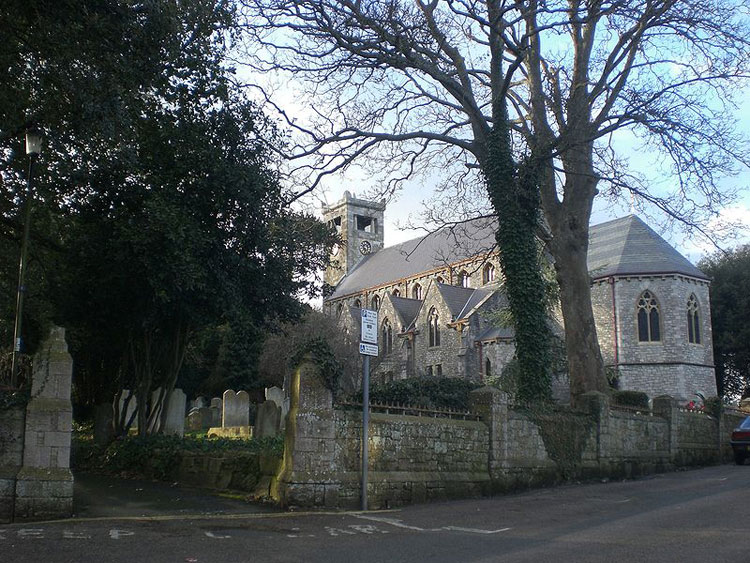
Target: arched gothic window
[
  {"x": 433, "y": 322},
  {"x": 387, "y": 336},
  {"x": 693, "y": 320},
  {"x": 464, "y": 279},
  {"x": 375, "y": 303},
  {"x": 396, "y": 293},
  {"x": 648, "y": 318},
  {"x": 440, "y": 279},
  {"x": 488, "y": 273},
  {"x": 358, "y": 303},
  {"x": 416, "y": 291},
  {"x": 487, "y": 368}
]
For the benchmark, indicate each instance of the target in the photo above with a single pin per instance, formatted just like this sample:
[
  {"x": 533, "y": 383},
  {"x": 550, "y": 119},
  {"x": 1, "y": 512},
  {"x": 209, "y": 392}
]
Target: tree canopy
[
  {"x": 730, "y": 319},
  {"x": 438, "y": 84},
  {"x": 158, "y": 213}
]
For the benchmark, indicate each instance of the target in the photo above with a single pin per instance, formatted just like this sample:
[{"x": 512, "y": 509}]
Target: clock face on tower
[{"x": 365, "y": 247}]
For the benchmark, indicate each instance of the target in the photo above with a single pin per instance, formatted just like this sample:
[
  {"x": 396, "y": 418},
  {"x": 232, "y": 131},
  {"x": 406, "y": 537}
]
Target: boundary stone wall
[{"x": 417, "y": 459}]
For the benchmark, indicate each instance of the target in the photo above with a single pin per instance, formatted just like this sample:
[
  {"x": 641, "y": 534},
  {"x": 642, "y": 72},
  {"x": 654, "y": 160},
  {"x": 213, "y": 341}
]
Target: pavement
[{"x": 105, "y": 496}]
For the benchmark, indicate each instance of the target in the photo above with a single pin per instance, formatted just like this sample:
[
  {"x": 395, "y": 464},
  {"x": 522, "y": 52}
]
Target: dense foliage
[
  {"x": 630, "y": 399},
  {"x": 158, "y": 216},
  {"x": 157, "y": 456},
  {"x": 730, "y": 319},
  {"x": 425, "y": 392}
]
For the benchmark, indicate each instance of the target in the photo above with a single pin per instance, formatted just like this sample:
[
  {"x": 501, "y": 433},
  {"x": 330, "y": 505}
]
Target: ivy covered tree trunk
[{"x": 515, "y": 198}]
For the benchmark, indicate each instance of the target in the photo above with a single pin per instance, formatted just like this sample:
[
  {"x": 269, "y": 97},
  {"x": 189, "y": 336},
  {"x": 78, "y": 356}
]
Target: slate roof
[
  {"x": 494, "y": 333},
  {"x": 443, "y": 247},
  {"x": 628, "y": 246},
  {"x": 455, "y": 297},
  {"x": 406, "y": 308},
  {"x": 625, "y": 246}
]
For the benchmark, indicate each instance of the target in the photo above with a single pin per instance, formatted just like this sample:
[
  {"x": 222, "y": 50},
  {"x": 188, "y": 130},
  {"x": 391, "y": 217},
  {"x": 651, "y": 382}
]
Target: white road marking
[
  {"x": 31, "y": 533},
  {"x": 2, "y": 535},
  {"x": 367, "y": 529},
  {"x": 214, "y": 536},
  {"x": 71, "y": 535},
  {"x": 117, "y": 534},
  {"x": 338, "y": 531},
  {"x": 400, "y": 524},
  {"x": 474, "y": 530}
]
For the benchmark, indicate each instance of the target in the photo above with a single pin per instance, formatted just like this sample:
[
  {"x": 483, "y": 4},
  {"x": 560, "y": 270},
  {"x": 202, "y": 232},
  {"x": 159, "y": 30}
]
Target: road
[{"x": 698, "y": 515}]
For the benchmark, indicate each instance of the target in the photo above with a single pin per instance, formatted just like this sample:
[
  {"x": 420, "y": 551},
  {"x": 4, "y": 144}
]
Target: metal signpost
[{"x": 368, "y": 346}]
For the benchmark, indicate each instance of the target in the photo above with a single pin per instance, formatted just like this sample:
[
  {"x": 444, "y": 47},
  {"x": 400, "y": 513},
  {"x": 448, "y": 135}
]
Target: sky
[{"x": 407, "y": 205}]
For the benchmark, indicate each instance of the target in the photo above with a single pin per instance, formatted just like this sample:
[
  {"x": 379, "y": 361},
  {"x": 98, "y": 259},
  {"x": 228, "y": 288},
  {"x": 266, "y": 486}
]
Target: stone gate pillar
[
  {"x": 44, "y": 485},
  {"x": 309, "y": 473}
]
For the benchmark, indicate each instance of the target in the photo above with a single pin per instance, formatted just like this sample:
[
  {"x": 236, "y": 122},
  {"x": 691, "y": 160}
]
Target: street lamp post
[{"x": 33, "y": 148}]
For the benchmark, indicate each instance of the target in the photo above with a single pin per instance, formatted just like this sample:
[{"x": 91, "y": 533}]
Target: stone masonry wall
[
  {"x": 411, "y": 459},
  {"x": 11, "y": 458},
  {"x": 415, "y": 459},
  {"x": 671, "y": 365}
]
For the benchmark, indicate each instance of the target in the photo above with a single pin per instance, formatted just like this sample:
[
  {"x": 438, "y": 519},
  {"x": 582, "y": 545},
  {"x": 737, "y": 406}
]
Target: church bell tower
[{"x": 360, "y": 224}]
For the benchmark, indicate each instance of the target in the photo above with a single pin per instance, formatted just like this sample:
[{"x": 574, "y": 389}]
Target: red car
[{"x": 741, "y": 441}]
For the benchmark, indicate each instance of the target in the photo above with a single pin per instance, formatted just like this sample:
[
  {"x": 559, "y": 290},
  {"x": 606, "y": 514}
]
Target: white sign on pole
[
  {"x": 368, "y": 349},
  {"x": 369, "y": 326}
]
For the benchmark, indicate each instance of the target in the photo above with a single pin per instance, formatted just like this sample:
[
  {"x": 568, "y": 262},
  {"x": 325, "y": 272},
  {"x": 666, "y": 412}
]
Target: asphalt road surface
[{"x": 700, "y": 515}]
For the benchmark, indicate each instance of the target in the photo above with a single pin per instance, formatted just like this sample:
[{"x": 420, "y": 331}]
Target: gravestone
[
  {"x": 175, "y": 421},
  {"x": 193, "y": 421},
  {"x": 217, "y": 403},
  {"x": 199, "y": 402},
  {"x": 236, "y": 410},
  {"x": 275, "y": 394},
  {"x": 268, "y": 420},
  {"x": 214, "y": 415}
]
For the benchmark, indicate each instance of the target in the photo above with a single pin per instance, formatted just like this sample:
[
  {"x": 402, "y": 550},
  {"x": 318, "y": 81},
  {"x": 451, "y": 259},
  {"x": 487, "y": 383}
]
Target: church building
[{"x": 440, "y": 302}]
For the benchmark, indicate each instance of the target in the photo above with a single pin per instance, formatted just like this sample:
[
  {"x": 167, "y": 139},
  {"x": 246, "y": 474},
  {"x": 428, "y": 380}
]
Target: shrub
[
  {"x": 630, "y": 399},
  {"x": 156, "y": 456}
]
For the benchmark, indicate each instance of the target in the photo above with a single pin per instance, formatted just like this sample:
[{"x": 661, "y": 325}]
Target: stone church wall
[{"x": 671, "y": 365}]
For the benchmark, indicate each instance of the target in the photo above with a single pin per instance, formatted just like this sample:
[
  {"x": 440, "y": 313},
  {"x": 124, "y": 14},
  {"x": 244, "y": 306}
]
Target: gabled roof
[
  {"x": 443, "y": 247},
  {"x": 455, "y": 297},
  {"x": 627, "y": 246},
  {"x": 478, "y": 296},
  {"x": 407, "y": 309}
]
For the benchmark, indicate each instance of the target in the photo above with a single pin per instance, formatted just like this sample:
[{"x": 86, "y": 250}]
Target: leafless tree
[{"x": 409, "y": 84}]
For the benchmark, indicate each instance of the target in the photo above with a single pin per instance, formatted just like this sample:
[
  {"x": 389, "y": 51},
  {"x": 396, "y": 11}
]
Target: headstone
[
  {"x": 175, "y": 421},
  {"x": 193, "y": 421},
  {"x": 199, "y": 402},
  {"x": 236, "y": 409},
  {"x": 275, "y": 394},
  {"x": 217, "y": 403},
  {"x": 268, "y": 420},
  {"x": 214, "y": 416}
]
